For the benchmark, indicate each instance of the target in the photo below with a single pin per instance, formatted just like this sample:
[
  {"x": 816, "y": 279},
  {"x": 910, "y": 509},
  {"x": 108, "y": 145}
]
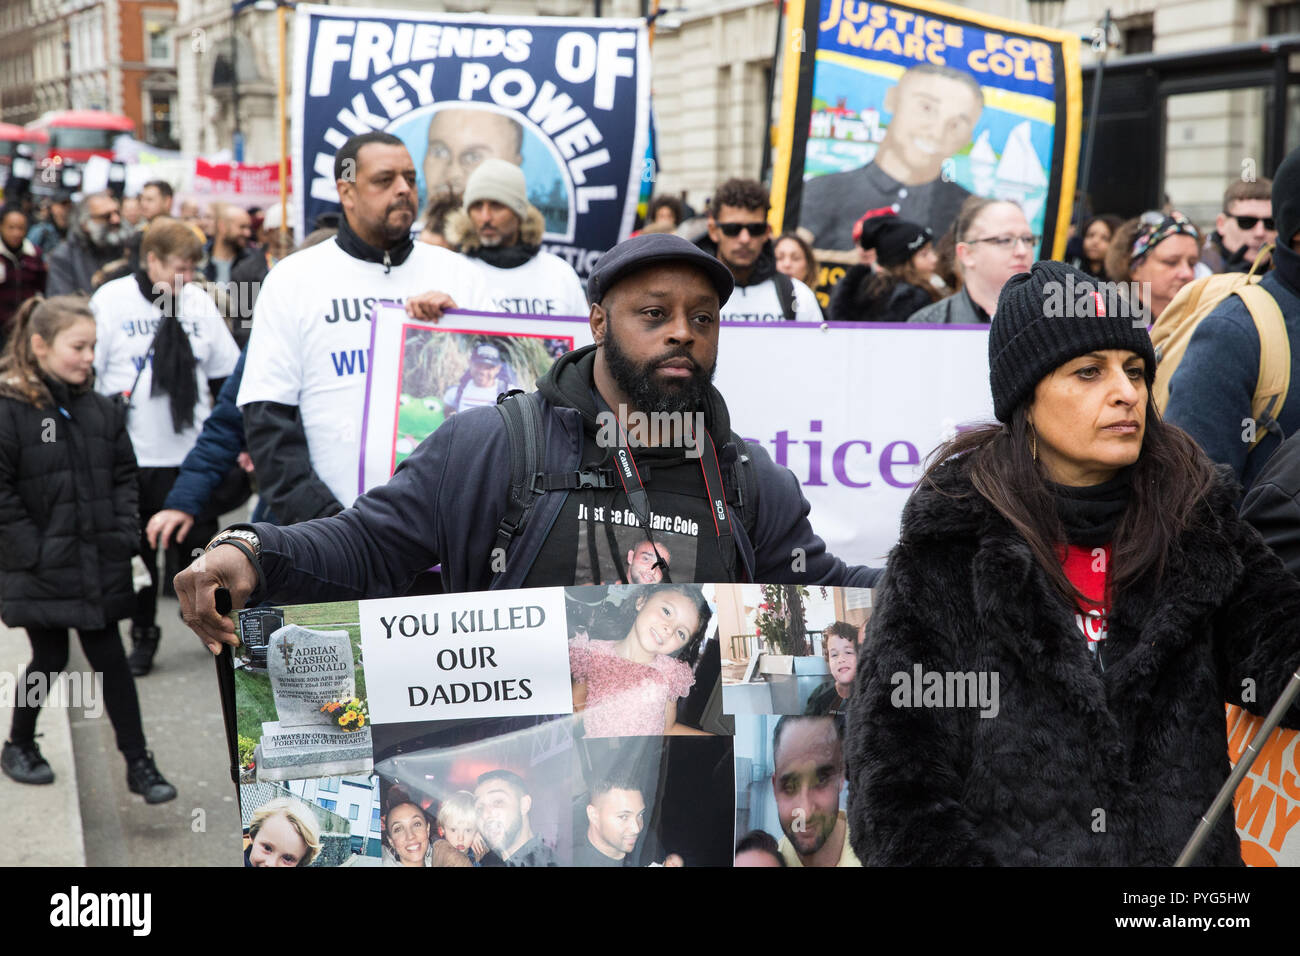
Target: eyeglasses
[
  {"x": 1249, "y": 222},
  {"x": 733, "y": 229},
  {"x": 1007, "y": 242}
]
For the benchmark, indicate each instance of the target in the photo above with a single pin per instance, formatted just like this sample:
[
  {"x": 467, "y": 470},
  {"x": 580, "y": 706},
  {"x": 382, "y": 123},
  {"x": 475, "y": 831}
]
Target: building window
[
  {"x": 374, "y": 820},
  {"x": 328, "y": 804},
  {"x": 1137, "y": 34},
  {"x": 159, "y": 108},
  {"x": 1284, "y": 18},
  {"x": 329, "y": 785},
  {"x": 158, "y": 49},
  {"x": 354, "y": 812}
]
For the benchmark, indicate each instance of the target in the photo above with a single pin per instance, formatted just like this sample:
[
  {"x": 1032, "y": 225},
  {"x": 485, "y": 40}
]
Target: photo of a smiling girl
[{"x": 632, "y": 669}]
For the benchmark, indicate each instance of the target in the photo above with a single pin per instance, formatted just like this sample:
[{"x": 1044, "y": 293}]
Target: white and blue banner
[
  {"x": 568, "y": 100},
  {"x": 852, "y": 408}
]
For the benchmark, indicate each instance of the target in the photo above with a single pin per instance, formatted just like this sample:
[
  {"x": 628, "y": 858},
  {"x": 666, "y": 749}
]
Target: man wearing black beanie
[{"x": 1211, "y": 391}]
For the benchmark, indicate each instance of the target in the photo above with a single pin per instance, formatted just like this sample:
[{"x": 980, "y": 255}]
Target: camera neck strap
[{"x": 639, "y": 500}]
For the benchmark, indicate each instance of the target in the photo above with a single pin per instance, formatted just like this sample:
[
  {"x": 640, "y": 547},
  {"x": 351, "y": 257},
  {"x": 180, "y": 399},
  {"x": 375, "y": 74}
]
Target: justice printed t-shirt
[
  {"x": 1087, "y": 569},
  {"x": 760, "y": 303},
  {"x": 125, "y": 324},
  {"x": 544, "y": 285},
  {"x": 310, "y": 342},
  {"x": 597, "y": 533}
]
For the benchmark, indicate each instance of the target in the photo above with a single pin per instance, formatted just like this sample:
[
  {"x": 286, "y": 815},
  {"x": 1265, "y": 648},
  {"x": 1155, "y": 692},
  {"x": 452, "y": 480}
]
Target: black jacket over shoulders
[
  {"x": 1079, "y": 766},
  {"x": 856, "y": 298},
  {"x": 1273, "y": 503},
  {"x": 68, "y": 521}
]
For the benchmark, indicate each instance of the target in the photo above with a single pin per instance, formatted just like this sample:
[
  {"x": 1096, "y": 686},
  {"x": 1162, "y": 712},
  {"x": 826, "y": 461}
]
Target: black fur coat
[{"x": 1080, "y": 766}]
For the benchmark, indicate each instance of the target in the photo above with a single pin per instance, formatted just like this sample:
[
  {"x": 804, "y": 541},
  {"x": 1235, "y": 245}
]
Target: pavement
[{"x": 88, "y": 817}]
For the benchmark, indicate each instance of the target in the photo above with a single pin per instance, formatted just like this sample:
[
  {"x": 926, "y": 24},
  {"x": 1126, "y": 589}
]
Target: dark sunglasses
[
  {"x": 1248, "y": 222},
  {"x": 732, "y": 229}
]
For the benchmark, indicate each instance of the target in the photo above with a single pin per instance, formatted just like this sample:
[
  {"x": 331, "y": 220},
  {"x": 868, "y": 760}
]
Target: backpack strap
[
  {"x": 1274, "y": 361},
  {"x": 526, "y": 434},
  {"x": 527, "y": 438},
  {"x": 785, "y": 294},
  {"x": 741, "y": 484}
]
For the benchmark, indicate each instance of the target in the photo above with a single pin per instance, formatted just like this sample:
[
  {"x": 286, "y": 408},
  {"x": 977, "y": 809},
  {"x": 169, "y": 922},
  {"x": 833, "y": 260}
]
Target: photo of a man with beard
[
  {"x": 807, "y": 778},
  {"x": 502, "y": 804}
]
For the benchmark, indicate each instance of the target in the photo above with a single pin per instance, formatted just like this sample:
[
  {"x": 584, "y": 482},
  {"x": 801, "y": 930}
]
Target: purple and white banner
[{"x": 852, "y": 409}]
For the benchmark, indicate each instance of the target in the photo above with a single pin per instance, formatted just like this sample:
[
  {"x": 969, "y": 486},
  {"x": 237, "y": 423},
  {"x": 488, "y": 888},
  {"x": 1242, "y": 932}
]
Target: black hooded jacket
[
  {"x": 68, "y": 518},
  {"x": 1078, "y": 765}
]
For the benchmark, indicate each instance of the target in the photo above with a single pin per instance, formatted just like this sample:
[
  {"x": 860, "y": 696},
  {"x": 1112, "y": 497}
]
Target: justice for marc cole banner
[
  {"x": 851, "y": 408},
  {"x": 565, "y": 99},
  {"x": 919, "y": 105}
]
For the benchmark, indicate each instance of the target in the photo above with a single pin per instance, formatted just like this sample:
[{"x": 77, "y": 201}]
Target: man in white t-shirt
[
  {"x": 500, "y": 234},
  {"x": 740, "y": 236},
  {"x": 303, "y": 391},
  {"x": 162, "y": 342}
]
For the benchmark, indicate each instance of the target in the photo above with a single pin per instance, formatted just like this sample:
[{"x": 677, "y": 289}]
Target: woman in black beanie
[
  {"x": 1071, "y": 602},
  {"x": 905, "y": 260}
]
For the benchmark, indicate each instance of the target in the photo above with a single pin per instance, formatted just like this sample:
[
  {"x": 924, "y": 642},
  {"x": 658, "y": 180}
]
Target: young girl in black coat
[{"x": 69, "y": 525}]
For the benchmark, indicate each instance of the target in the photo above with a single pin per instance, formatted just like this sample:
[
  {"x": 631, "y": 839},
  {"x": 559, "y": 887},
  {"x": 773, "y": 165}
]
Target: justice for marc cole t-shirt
[
  {"x": 579, "y": 549},
  {"x": 1087, "y": 569},
  {"x": 310, "y": 342},
  {"x": 125, "y": 324},
  {"x": 544, "y": 285},
  {"x": 759, "y": 303}
]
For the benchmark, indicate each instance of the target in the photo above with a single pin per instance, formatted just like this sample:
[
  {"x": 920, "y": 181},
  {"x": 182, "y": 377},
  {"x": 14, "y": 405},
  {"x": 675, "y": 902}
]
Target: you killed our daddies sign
[{"x": 488, "y": 654}]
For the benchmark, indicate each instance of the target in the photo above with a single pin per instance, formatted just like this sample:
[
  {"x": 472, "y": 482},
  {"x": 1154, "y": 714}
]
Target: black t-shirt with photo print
[{"x": 597, "y": 532}]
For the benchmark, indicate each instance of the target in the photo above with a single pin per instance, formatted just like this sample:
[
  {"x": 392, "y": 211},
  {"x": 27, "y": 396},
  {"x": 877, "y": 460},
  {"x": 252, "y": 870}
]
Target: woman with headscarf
[{"x": 1156, "y": 256}]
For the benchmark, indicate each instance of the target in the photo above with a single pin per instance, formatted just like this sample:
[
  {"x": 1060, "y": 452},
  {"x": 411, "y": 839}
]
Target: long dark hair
[{"x": 1169, "y": 480}]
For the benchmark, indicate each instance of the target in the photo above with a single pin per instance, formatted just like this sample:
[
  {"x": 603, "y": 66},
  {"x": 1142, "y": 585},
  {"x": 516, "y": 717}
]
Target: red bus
[{"x": 76, "y": 135}]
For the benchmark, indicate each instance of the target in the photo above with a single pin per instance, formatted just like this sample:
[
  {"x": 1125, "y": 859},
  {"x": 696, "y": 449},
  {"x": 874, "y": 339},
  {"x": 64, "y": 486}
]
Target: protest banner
[
  {"x": 452, "y": 696},
  {"x": 235, "y": 180},
  {"x": 422, "y": 373},
  {"x": 566, "y": 99},
  {"x": 917, "y": 105},
  {"x": 572, "y": 726},
  {"x": 854, "y": 424}
]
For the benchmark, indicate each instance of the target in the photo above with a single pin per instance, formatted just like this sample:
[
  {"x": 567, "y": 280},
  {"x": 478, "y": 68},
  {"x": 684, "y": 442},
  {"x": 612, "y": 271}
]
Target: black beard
[
  {"x": 638, "y": 383},
  {"x": 394, "y": 234}
]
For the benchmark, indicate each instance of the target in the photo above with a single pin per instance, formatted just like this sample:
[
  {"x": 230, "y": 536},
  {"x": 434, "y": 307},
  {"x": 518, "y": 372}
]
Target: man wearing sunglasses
[
  {"x": 1242, "y": 229},
  {"x": 739, "y": 235}
]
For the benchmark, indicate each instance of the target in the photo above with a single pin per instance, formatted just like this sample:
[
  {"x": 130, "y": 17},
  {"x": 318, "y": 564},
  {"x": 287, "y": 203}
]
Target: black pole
[
  {"x": 1085, "y": 174},
  {"x": 1276, "y": 143},
  {"x": 766, "y": 165},
  {"x": 599, "y": 5},
  {"x": 225, "y": 662}
]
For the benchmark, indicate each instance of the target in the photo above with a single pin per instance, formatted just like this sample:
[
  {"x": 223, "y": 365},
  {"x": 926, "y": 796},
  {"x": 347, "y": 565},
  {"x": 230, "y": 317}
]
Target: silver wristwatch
[{"x": 249, "y": 538}]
